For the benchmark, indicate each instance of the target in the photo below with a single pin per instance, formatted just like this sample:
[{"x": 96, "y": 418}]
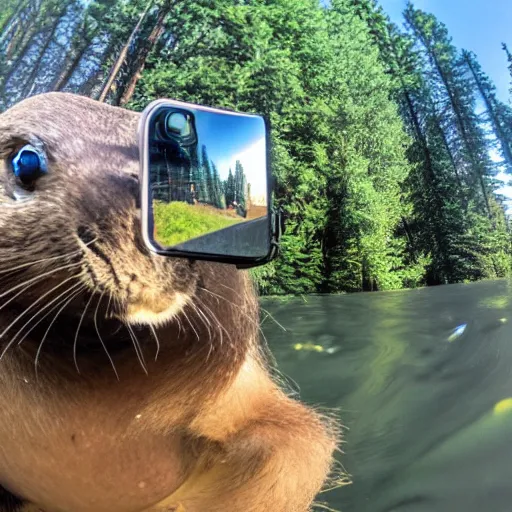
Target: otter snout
[
  {"x": 87, "y": 205},
  {"x": 146, "y": 288}
]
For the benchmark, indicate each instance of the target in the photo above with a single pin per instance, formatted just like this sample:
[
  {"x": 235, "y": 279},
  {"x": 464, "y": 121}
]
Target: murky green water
[{"x": 421, "y": 379}]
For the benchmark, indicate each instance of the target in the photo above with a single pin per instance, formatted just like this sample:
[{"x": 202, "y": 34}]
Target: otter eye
[{"x": 28, "y": 164}]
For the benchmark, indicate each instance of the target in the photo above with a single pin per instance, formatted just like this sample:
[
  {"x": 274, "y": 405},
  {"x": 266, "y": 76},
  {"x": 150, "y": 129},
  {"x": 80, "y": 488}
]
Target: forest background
[{"x": 387, "y": 141}]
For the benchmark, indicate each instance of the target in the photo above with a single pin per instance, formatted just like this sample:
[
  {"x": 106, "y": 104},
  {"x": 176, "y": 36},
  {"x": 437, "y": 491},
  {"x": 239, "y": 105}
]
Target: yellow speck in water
[
  {"x": 503, "y": 406},
  {"x": 308, "y": 346},
  {"x": 503, "y": 320}
]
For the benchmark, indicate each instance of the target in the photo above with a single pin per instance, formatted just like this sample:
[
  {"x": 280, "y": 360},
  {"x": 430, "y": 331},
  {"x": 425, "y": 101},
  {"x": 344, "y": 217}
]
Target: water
[{"x": 421, "y": 379}]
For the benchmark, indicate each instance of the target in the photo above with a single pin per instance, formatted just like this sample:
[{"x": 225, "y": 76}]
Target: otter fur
[{"x": 130, "y": 381}]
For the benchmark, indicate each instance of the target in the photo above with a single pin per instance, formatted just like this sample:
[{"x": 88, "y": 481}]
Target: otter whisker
[
  {"x": 21, "y": 315},
  {"x": 269, "y": 315},
  {"x": 239, "y": 295},
  {"x": 218, "y": 325},
  {"x": 180, "y": 325},
  {"x": 137, "y": 348},
  {"x": 117, "y": 303},
  {"x": 216, "y": 320},
  {"x": 256, "y": 324},
  {"x": 108, "y": 304},
  {"x": 40, "y": 347},
  {"x": 49, "y": 312},
  {"x": 13, "y": 339},
  {"x": 209, "y": 351},
  {"x": 157, "y": 341},
  {"x": 229, "y": 288},
  {"x": 44, "y": 260},
  {"x": 198, "y": 309},
  {"x": 190, "y": 323},
  {"x": 30, "y": 285},
  {"x": 17, "y": 295},
  {"x": 78, "y": 330},
  {"x": 207, "y": 325},
  {"x": 204, "y": 319},
  {"x": 39, "y": 277},
  {"x": 325, "y": 507},
  {"x": 99, "y": 335}
]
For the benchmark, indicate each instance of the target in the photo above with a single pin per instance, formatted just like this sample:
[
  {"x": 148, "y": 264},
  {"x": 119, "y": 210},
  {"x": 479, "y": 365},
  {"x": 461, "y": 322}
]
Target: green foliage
[{"x": 498, "y": 114}]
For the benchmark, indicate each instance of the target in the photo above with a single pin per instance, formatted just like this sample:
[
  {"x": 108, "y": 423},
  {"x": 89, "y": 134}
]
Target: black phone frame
[{"x": 274, "y": 217}]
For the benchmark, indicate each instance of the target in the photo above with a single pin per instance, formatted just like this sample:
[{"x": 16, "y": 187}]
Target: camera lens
[{"x": 177, "y": 124}]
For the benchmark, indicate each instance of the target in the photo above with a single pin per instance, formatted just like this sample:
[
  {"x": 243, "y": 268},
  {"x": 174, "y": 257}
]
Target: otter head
[{"x": 73, "y": 233}]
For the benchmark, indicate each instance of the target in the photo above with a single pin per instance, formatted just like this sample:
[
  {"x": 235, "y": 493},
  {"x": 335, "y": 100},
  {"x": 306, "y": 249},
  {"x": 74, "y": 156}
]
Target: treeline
[
  {"x": 381, "y": 137},
  {"x": 211, "y": 189},
  {"x": 196, "y": 177},
  {"x": 236, "y": 188}
]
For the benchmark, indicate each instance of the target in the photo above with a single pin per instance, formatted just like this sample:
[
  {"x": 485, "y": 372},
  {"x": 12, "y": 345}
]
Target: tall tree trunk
[
  {"x": 491, "y": 109},
  {"x": 14, "y": 15},
  {"x": 122, "y": 55},
  {"x": 509, "y": 60},
  {"x": 96, "y": 79},
  {"x": 429, "y": 177},
  {"x": 20, "y": 41},
  {"x": 24, "y": 34},
  {"x": 449, "y": 152},
  {"x": 461, "y": 125},
  {"x": 44, "y": 48},
  {"x": 4, "y": 79},
  {"x": 65, "y": 76},
  {"x": 140, "y": 60}
]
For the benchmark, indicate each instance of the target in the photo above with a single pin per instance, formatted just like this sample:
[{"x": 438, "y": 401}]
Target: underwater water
[{"x": 422, "y": 380}]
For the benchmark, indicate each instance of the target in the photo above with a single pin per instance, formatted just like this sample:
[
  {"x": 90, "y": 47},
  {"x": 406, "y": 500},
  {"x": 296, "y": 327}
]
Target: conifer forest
[{"x": 389, "y": 144}]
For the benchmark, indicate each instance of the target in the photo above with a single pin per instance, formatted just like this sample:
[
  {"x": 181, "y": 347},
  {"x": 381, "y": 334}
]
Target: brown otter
[{"x": 129, "y": 381}]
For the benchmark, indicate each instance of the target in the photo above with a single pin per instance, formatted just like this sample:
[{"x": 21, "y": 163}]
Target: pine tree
[
  {"x": 207, "y": 174},
  {"x": 229, "y": 188},
  {"x": 26, "y": 46},
  {"x": 438, "y": 186},
  {"x": 365, "y": 248},
  {"x": 146, "y": 45},
  {"x": 120, "y": 60},
  {"x": 499, "y": 114},
  {"x": 94, "y": 25},
  {"x": 219, "y": 200},
  {"x": 466, "y": 138},
  {"x": 447, "y": 80},
  {"x": 509, "y": 60}
]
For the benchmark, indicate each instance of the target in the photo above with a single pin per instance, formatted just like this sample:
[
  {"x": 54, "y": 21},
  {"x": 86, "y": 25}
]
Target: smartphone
[{"x": 206, "y": 184}]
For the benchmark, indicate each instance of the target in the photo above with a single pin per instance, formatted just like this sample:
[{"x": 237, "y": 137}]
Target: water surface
[{"x": 423, "y": 382}]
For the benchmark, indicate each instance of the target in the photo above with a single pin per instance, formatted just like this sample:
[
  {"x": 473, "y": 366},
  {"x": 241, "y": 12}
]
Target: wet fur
[{"x": 186, "y": 397}]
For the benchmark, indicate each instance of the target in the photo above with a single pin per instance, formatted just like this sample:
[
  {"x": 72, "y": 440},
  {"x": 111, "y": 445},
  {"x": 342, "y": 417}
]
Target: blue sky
[
  {"x": 477, "y": 25},
  {"x": 230, "y": 138}
]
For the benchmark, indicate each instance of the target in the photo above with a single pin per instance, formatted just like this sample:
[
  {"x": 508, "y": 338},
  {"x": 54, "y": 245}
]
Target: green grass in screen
[{"x": 178, "y": 222}]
